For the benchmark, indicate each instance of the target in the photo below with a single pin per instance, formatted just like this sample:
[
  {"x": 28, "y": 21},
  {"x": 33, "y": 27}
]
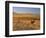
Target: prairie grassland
[{"x": 26, "y": 22}]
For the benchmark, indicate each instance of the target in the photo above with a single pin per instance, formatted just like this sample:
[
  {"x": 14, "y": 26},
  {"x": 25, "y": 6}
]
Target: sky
[{"x": 26, "y": 10}]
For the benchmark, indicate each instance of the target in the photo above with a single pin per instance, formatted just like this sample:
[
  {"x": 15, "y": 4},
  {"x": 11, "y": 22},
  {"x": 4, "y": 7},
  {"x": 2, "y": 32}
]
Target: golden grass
[{"x": 26, "y": 22}]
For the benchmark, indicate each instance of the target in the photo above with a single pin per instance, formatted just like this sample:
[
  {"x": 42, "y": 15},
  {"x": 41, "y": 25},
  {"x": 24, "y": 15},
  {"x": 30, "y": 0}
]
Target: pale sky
[{"x": 26, "y": 9}]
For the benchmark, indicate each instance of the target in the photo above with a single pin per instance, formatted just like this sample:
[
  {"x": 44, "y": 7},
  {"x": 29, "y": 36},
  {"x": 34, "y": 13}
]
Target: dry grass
[{"x": 26, "y": 22}]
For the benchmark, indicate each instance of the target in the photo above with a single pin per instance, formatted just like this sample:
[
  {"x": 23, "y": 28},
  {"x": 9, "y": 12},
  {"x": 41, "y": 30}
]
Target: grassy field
[{"x": 26, "y": 22}]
